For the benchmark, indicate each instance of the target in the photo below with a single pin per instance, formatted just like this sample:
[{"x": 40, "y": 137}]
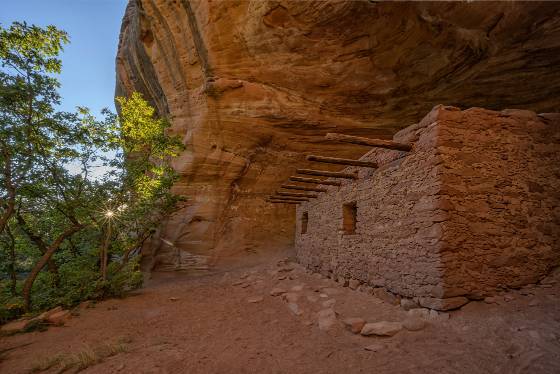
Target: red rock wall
[
  {"x": 474, "y": 207},
  {"x": 253, "y": 86}
]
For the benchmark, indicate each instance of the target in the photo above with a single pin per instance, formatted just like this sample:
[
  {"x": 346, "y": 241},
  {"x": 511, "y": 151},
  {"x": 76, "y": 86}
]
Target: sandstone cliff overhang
[
  {"x": 472, "y": 209},
  {"x": 252, "y": 86}
]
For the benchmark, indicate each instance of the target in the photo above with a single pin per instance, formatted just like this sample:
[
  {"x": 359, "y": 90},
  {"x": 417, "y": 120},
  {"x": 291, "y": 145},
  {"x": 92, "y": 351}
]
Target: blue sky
[{"x": 88, "y": 72}]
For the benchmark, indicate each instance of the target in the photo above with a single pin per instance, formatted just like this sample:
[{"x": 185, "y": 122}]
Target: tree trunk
[
  {"x": 139, "y": 243},
  {"x": 12, "y": 267},
  {"x": 104, "y": 252},
  {"x": 40, "y": 243},
  {"x": 42, "y": 262}
]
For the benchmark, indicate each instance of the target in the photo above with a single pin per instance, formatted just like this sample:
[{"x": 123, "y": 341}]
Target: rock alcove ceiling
[{"x": 253, "y": 86}]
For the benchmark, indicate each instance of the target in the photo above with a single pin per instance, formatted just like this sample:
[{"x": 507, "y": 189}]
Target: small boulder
[
  {"x": 388, "y": 297},
  {"x": 326, "y": 319},
  {"x": 367, "y": 289},
  {"x": 449, "y": 303},
  {"x": 375, "y": 347},
  {"x": 328, "y": 303},
  {"x": 431, "y": 314},
  {"x": 419, "y": 313},
  {"x": 383, "y": 328},
  {"x": 59, "y": 318},
  {"x": 414, "y": 324},
  {"x": 45, "y": 315},
  {"x": 297, "y": 288},
  {"x": 491, "y": 300},
  {"x": 342, "y": 281},
  {"x": 14, "y": 326},
  {"x": 353, "y": 284},
  {"x": 290, "y": 297},
  {"x": 354, "y": 324},
  {"x": 294, "y": 308},
  {"x": 277, "y": 291},
  {"x": 255, "y": 299}
]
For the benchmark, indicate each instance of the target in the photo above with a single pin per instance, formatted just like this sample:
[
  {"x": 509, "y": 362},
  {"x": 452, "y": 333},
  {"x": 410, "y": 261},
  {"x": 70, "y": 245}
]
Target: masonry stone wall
[
  {"x": 501, "y": 187},
  {"x": 473, "y": 208}
]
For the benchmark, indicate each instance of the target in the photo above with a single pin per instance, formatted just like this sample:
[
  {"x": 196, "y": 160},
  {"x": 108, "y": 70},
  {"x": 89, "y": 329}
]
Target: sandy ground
[{"x": 205, "y": 324}]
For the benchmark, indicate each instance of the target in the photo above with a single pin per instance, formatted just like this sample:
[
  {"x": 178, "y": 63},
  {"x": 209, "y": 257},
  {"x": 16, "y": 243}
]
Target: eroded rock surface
[{"x": 253, "y": 86}]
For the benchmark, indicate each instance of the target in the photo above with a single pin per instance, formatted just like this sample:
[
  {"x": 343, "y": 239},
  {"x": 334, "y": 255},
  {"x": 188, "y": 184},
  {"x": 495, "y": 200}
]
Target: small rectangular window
[
  {"x": 349, "y": 211},
  {"x": 304, "y": 219}
]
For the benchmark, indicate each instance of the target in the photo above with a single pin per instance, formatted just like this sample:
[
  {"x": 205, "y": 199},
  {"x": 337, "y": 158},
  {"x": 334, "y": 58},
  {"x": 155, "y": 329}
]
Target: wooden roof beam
[
  {"x": 295, "y": 194},
  {"x": 294, "y": 187},
  {"x": 330, "y": 174},
  {"x": 289, "y": 198},
  {"x": 379, "y": 143},
  {"x": 313, "y": 180},
  {"x": 341, "y": 161}
]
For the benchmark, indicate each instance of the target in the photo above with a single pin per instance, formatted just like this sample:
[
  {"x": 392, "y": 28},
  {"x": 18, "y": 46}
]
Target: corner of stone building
[{"x": 499, "y": 189}]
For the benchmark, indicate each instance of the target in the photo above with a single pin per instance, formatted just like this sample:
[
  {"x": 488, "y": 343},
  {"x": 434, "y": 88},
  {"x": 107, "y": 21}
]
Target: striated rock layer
[{"x": 252, "y": 86}]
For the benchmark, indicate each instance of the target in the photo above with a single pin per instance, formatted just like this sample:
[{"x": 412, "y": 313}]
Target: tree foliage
[{"x": 66, "y": 236}]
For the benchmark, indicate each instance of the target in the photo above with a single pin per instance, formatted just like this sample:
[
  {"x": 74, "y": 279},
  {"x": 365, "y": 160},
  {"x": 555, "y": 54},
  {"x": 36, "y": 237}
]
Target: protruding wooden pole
[
  {"x": 331, "y": 174},
  {"x": 289, "y": 198},
  {"x": 380, "y": 143},
  {"x": 316, "y": 181},
  {"x": 341, "y": 161},
  {"x": 294, "y": 187},
  {"x": 295, "y": 194},
  {"x": 274, "y": 197}
]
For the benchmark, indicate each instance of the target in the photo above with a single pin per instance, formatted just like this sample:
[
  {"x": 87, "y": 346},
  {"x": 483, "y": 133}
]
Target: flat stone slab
[
  {"x": 355, "y": 324},
  {"x": 443, "y": 304},
  {"x": 414, "y": 324},
  {"x": 383, "y": 328},
  {"x": 14, "y": 326}
]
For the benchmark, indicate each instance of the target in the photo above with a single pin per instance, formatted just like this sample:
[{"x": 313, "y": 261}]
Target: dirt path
[{"x": 207, "y": 325}]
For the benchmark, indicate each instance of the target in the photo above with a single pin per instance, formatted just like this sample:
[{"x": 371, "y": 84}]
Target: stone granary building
[{"x": 472, "y": 208}]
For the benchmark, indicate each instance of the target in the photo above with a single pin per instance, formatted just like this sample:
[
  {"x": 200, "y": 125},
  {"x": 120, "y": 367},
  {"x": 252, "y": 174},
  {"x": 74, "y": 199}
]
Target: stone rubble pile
[
  {"x": 328, "y": 304},
  {"x": 317, "y": 300}
]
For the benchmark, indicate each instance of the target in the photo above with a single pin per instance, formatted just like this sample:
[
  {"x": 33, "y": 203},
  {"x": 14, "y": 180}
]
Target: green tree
[
  {"x": 27, "y": 97},
  {"x": 84, "y": 230},
  {"x": 142, "y": 194}
]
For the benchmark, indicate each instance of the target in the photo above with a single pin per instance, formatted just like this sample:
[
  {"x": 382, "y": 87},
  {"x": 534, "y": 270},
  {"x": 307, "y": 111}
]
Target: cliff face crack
[{"x": 197, "y": 37}]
